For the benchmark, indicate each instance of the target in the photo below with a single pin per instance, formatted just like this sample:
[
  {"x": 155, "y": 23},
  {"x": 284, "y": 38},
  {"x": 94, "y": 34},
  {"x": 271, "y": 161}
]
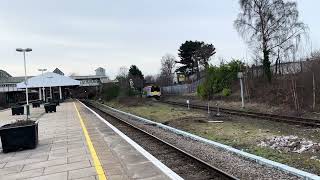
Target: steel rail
[
  {"x": 225, "y": 175},
  {"x": 274, "y": 117}
]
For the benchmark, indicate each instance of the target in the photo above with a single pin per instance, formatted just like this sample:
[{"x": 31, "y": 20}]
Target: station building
[
  {"x": 93, "y": 80},
  {"x": 91, "y": 85},
  {"x": 9, "y": 93},
  {"x": 52, "y": 85}
]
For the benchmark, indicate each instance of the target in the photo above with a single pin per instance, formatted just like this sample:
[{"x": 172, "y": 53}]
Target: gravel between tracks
[{"x": 234, "y": 164}]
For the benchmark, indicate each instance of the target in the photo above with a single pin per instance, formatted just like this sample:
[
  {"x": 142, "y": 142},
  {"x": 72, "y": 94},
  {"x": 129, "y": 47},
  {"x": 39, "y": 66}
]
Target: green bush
[
  {"x": 110, "y": 92},
  {"x": 133, "y": 92},
  {"x": 204, "y": 91},
  {"x": 200, "y": 91},
  {"x": 226, "y": 92},
  {"x": 219, "y": 78}
]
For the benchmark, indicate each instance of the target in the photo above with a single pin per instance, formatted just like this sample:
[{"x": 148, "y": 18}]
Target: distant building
[
  {"x": 58, "y": 71},
  {"x": 180, "y": 78},
  {"x": 9, "y": 83},
  {"x": 284, "y": 68},
  {"x": 93, "y": 80},
  {"x": 9, "y": 93},
  {"x": 88, "y": 80},
  {"x": 100, "y": 71}
]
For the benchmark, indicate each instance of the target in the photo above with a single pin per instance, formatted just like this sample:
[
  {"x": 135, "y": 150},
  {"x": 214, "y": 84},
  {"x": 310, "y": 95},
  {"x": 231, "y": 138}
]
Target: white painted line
[
  {"x": 258, "y": 159},
  {"x": 155, "y": 161}
]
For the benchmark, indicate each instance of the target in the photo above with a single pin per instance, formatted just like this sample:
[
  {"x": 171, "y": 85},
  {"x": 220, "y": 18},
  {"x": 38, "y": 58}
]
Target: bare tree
[
  {"x": 315, "y": 54},
  {"x": 272, "y": 26},
  {"x": 149, "y": 79},
  {"x": 167, "y": 69},
  {"x": 123, "y": 72},
  {"x": 122, "y": 77}
]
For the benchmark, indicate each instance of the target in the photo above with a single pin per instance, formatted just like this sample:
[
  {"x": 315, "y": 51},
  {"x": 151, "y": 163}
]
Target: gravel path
[{"x": 227, "y": 161}]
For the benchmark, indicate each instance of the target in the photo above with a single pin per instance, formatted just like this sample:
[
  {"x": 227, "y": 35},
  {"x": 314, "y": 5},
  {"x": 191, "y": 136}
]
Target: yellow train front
[{"x": 152, "y": 91}]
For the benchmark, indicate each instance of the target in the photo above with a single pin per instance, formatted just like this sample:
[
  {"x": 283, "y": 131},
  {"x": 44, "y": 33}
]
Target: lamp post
[
  {"x": 25, "y": 75},
  {"x": 43, "y": 93}
]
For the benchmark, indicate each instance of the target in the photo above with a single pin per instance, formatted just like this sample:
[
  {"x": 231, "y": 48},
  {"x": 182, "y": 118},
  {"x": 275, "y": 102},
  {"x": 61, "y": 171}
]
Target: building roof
[
  {"x": 99, "y": 69},
  {"x": 13, "y": 80},
  {"x": 49, "y": 79},
  {"x": 58, "y": 71},
  {"x": 6, "y": 78},
  {"x": 4, "y": 74}
]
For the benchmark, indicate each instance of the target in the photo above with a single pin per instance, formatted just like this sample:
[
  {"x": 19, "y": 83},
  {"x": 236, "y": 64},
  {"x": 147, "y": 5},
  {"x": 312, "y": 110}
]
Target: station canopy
[{"x": 48, "y": 79}]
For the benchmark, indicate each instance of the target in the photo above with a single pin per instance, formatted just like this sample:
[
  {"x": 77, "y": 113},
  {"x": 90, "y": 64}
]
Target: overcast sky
[{"x": 78, "y": 36}]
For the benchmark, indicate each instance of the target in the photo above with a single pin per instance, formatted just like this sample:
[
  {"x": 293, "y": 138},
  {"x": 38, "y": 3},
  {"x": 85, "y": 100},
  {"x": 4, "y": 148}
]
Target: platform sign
[
  {"x": 240, "y": 76},
  {"x": 131, "y": 83}
]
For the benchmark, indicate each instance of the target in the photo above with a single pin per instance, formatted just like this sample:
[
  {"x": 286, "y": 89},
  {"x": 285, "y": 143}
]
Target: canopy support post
[
  {"x": 60, "y": 93},
  {"x": 40, "y": 96},
  {"x": 44, "y": 94}
]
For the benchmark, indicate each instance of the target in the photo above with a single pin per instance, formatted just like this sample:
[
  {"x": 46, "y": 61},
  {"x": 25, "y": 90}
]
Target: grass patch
[{"x": 157, "y": 112}]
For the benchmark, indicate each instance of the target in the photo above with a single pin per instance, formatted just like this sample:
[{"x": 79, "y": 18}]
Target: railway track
[
  {"x": 273, "y": 117},
  {"x": 184, "y": 164}
]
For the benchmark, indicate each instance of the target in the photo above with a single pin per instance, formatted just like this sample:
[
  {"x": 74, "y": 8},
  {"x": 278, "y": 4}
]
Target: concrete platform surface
[{"x": 75, "y": 144}]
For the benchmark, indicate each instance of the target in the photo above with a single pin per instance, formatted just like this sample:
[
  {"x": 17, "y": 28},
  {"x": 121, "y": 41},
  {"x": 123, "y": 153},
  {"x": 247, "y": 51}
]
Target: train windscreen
[{"x": 155, "y": 88}]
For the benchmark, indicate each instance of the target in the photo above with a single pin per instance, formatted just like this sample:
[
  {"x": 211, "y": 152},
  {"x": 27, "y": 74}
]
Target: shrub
[
  {"x": 219, "y": 78},
  {"x": 110, "y": 92},
  {"x": 91, "y": 95},
  {"x": 133, "y": 92},
  {"x": 226, "y": 92},
  {"x": 204, "y": 90},
  {"x": 200, "y": 91}
]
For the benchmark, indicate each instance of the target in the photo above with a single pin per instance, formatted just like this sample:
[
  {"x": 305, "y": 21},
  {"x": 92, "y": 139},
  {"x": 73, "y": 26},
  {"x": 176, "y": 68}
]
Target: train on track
[{"x": 153, "y": 91}]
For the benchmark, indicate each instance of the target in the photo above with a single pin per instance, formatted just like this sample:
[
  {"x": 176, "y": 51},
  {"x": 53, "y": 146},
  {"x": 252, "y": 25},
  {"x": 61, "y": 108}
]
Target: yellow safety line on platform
[{"x": 94, "y": 155}]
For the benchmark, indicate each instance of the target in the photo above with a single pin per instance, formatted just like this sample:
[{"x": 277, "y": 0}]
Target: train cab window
[{"x": 155, "y": 88}]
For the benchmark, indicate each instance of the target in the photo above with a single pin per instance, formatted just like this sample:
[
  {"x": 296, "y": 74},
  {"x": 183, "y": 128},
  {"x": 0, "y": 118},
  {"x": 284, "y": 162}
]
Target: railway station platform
[{"x": 74, "y": 143}]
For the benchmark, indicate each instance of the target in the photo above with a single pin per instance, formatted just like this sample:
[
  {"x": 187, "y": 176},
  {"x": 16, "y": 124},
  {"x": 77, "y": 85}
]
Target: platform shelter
[{"x": 49, "y": 82}]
